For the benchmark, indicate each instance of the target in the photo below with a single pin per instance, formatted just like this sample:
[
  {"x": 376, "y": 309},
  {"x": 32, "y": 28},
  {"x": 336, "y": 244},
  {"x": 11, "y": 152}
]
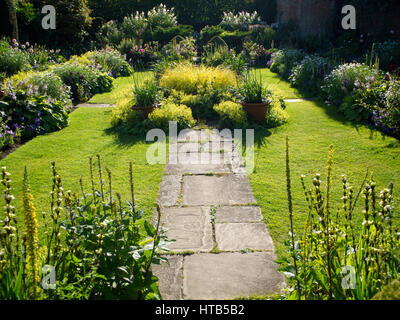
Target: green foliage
[
  {"x": 252, "y": 90},
  {"x": 276, "y": 114},
  {"x": 220, "y": 55},
  {"x": 12, "y": 60},
  {"x": 165, "y": 34},
  {"x": 180, "y": 49},
  {"x": 111, "y": 61},
  {"x": 73, "y": 21},
  {"x": 146, "y": 94},
  {"x": 83, "y": 80},
  {"x": 342, "y": 81},
  {"x": 232, "y": 115},
  {"x": 285, "y": 60},
  {"x": 235, "y": 39},
  {"x": 309, "y": 74},
  {"x": 267, "y": 37},
  {"x": 109, "y": 34},
  {"x": 104, "y": 253},
  {"x": 209, "y": 32},
  {"x": 328, "y": 248},
  {"x": 169, "y": 111}
]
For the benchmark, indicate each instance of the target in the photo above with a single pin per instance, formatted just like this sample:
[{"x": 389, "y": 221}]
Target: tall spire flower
[{"x": 32, "y": 241}]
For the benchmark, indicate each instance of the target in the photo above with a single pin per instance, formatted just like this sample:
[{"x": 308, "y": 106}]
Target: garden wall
[{"x": 313, "y": 17}]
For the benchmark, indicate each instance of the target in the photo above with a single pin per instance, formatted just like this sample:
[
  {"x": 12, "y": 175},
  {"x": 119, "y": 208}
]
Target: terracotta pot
[
  {"x": 144, "y": 110},
  {"x": 257, "y": 110}
]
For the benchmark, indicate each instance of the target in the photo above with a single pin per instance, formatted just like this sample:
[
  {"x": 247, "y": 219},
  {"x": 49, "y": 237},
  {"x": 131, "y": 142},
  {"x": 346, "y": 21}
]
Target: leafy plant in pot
[
  {"x": 254, "y": 98},
  {"x": 146, "y": 97}
]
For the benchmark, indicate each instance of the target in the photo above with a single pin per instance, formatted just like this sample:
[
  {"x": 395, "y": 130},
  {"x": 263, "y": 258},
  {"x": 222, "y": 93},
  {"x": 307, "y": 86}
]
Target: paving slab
[
  {"x": 170, "y": 277},
  {"x": 242, "y": 236},
  {"x": 190, "y": 147},
  {"x": 170, "y": 189},
  {"x": 199, "y": 163},
  {"x": 235, "y": 214},
  {"x": 217, "y": 190},
  {"x": 229, "y": 275},
  {"x": 190, "y": 227}
]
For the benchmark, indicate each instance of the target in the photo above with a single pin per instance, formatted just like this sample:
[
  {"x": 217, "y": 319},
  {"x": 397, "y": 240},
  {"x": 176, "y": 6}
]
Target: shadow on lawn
[
  {"x": 125, "y": 138},
  {"x": 333, "y": 113}
]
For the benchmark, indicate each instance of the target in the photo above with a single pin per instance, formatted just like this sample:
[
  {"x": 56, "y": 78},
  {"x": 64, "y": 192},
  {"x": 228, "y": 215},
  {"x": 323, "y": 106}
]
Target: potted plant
[
  {"x": 255, "y": 99},
  {"x": 146, "y": 97}
]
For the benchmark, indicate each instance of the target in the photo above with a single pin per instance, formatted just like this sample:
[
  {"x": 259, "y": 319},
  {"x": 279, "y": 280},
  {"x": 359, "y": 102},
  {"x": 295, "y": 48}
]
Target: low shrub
[
  {"x": 169, "y": 111},
  {"x": 232, "y": 115},
  {"x": 235, "y": 39},
  {"x": 285, "y": 60},
  {"x": 207, "y": 33},
  {"x": 266, "y": 36},
  {"x": 137, "y": 55},
  {"x": 276, "y": 114},
  {"x": 386, "y": 116},
  {"x": 110, "y": 34},
  {"x": 83, "y": 80},
  {"x": 31, "y": 112},
  {"x": 180, "y": 49},
  {"x": 111, "y": 62},
  {"x": 163, "y": 35},
  {"x": 342, "y": 81},
  {"x": 309, "y": 74},
  {"x": 12, "y": 60},
  {"x": 214, "y": 56},
  {"x": 8, "y": 136},
  {"x": 189, "y": 78},
  {"x": 387, "y": 53},
  {"x": 255, "y": 53}
]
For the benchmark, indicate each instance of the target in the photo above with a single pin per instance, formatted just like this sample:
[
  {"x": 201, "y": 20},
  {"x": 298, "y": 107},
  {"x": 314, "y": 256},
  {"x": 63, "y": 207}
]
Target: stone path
[{"x": 222, "y": 248}]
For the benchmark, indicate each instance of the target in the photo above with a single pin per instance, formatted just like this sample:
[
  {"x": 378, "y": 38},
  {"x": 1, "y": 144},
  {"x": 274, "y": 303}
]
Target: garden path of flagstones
[{"x": 222, "y": 248}]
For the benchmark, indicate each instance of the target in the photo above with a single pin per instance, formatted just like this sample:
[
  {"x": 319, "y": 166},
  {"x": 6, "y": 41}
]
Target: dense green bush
[
  {"x": 309, "y": 74},
  {"x": 146, "y": 94},
  {"x": 343, "y": 79},
  {"x": 209, "y": 32},
  {"x": 12, "y": 60},
  {"x": 266, "y": 36},
  {"x": 111, "y": 62},
  {"x": 169, "y": 111},
  {"x": 214, "y": 56},
  {"x": 109, "y": 34},
  {"x": 232, "y": 115},
  {"x": 31, "y": 112},
  {"x": 83, "y": 80},
  {"x": 180, "y": 49},
  {"x": 139, "y": 56},
  {"x": 235, "y": 39},
  {"x": 285, "y": 60},
  {"x": 165, "y": 34}
]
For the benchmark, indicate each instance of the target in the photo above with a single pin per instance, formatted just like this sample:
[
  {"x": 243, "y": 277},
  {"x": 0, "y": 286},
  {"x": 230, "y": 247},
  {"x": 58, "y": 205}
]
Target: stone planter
[{"x": 257, "y": 110}]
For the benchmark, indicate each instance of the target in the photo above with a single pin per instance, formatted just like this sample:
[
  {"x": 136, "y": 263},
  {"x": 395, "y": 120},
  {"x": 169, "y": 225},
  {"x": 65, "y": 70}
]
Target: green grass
[
  {"x": 312, "y": 127},
  {"x": 278, "y": 85},
  {"x": 86, "y": 136},
  {"x": 122, "y": 85}
]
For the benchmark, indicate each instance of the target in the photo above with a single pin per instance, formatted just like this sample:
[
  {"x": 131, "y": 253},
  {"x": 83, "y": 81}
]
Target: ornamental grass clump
[
  {"x": 332, "y": 258},
  {"x": 188, "y": 78}
]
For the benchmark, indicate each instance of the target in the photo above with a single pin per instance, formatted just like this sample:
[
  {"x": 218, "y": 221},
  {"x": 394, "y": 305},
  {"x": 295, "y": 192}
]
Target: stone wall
[{"x": 313, "y": 17}]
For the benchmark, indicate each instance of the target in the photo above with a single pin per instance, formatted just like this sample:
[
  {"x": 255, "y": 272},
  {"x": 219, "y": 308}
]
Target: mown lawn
[
  {"x": 312, "y": 127},
  {"x": 86, "y": 136},
  {"x": 122, "y": 85}
]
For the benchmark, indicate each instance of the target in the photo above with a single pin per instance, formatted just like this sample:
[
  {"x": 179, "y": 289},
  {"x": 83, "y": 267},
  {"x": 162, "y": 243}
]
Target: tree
[{"x": 12, "y": 16}]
